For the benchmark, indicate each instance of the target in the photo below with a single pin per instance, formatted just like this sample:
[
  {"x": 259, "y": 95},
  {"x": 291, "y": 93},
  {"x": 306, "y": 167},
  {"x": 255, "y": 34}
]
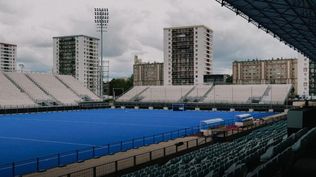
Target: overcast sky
[{"x": 136, "y": 27}]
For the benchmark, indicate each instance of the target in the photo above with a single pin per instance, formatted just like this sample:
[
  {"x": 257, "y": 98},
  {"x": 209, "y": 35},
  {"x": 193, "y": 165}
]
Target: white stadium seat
[
  {"x": 28, "y": 86},
  {"x": 10, "y": 95},
  {"x": 239, "y": 94},
  {"x": 55, "y": 88},
  {"x": 78, "y": 87}
]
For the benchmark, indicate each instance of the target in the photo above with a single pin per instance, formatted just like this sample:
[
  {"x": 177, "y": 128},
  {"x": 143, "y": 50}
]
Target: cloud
[{"x": 136, "y": 27}]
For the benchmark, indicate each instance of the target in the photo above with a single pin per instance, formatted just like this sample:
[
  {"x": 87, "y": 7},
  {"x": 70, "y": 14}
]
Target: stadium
[{"x": 53, "y": 126}]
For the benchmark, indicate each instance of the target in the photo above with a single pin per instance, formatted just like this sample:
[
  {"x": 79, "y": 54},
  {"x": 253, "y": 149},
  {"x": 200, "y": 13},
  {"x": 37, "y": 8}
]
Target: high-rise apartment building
[
  {"x": 7, "y": 57},
  {"x": 274, "y": 71},
  {"x": 188, "y": 54},
  {"x": 78, "y": 56},
  {"x": 147, "y": 73}
]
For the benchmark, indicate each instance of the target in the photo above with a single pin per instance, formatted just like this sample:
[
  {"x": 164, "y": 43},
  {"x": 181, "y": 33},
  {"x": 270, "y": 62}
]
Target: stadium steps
[
  {"x": 267, "y": 91},
  {"x": 11, "y": 96},
  {"x": 266, "y": 95},
  {"x": 137, "y": 96},
  {"x": 182, "y": 99},
  {"x": 30, "y": 89},
  {"x": 17, "y": 86},
  {"x": 288, "y": 94},
  {"x": 68, "y": 87},
  {"x": 54, "y": 99},
  {"x": 209, "y": 91}
]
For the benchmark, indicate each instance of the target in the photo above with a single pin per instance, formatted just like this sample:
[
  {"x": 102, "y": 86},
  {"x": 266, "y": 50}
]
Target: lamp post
[{"x": 101, "y": 19}]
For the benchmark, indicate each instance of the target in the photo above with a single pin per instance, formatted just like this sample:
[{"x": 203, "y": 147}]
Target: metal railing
[
  {"x": 13, "y": 109},
  {"x": 138, "y": 159},
  {"x": 117, "y": 166},
  {"x": 61, "y": 159}
]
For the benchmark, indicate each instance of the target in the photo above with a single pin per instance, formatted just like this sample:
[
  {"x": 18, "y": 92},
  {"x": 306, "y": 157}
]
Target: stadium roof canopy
[{"x": 291, "y": 21}]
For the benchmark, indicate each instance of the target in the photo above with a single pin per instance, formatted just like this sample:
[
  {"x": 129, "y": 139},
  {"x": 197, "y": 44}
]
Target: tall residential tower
[
  {"x": 78, "y": 56},
  {"x": 7, "y": 57},
  {"x": 188, "y": 54}
]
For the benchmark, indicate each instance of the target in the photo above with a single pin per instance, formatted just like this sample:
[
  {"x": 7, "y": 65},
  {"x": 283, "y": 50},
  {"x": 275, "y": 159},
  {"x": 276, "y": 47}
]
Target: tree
[
  {"x": 229, "y": 79},
  {"x": 120, "y": 85}
]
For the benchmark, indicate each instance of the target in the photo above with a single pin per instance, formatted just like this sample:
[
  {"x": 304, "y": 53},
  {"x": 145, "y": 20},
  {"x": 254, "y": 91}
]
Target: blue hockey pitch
[{"x": 53, "y": 135}]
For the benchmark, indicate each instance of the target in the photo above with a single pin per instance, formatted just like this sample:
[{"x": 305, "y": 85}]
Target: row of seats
[
  {"x": 282, "y": 154},
  {"x": 164, "y": 93},
  {"x": 264, "y": 94},
  {"x": 28, "y": 86},
  {"x": 78, "y": 87},
  {"x": 220, "y": 159},
  {"x": 277, "y": 94},
  {"x": 10, "y": 95},
  {"x": 35, "y": 89}
]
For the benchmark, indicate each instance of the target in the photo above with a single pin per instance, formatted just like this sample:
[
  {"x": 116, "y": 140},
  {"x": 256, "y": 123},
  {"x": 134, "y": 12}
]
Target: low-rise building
[
  {"x": 273, "y": 71},
  {"x": 147, "y": 73}
]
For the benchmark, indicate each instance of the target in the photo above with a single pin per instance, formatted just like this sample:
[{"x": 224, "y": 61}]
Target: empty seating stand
[
  {"x": 220, "y": 159},
  {"x": 35, "y": 89},
  {"x": 231, "y": 94},
  {"x": 37, "y": 95},
  {"x": 131, "y": 95},
  {"x": 78, "y": 88},
  {"x": 55, "y": 88},
  {"x": 165, "y": 93},
  {"x": 198, "y": 93},
  {"x": 276, "y": 94},
  {"x": 11, "y": 95}
]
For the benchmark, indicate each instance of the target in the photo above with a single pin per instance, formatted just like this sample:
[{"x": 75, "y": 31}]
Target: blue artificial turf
[{"x": 27, "y": 136}]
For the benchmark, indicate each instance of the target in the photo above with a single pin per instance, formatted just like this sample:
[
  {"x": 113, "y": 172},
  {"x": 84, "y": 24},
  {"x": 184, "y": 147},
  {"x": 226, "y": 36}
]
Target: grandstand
[
  {"x": 198, "y": 94},
  {"x": 240, "y": 94},
  {"x": 35, "y": 90},
  {"x": 276, "y": 93},
  {"x": 11, "y": 95},
  {"x": 250, "y": 155},
  {"x": 54, "y": 88},
  {"x": 37, "y": 95},
  {"x": 165, "y": 93},
  {"x": 77, "y": 88},
  {"x": 132, "y": 94}
]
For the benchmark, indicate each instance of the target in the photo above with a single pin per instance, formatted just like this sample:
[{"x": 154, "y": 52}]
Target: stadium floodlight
[{"x": 101, "y": 19}]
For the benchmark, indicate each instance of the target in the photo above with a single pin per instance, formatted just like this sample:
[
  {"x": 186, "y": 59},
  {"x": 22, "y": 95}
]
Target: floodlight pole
[
  {"x": 101, "y": 20},
  {"x": 101, "y": 69}
]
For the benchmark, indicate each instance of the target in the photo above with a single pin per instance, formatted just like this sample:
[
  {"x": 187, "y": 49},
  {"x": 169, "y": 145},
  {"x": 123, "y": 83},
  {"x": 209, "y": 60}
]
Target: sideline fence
[
  {"x": 132, "y": 161},
  {"x": 61, "y": 159},
  {"x": 114, "y": 167}
]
